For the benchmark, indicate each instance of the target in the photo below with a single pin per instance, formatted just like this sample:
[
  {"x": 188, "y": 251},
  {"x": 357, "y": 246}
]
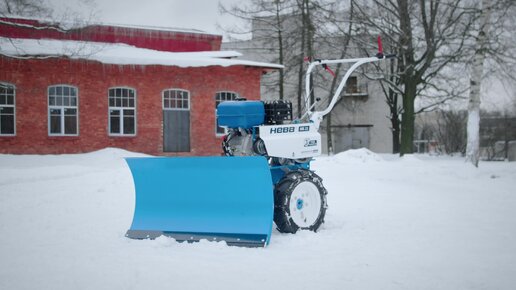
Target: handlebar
[{"x": 316, "y": 117}]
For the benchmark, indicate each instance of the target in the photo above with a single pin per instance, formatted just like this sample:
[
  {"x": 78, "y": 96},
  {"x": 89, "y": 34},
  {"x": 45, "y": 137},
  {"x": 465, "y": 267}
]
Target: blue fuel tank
[{"x": 240, "y": 114}]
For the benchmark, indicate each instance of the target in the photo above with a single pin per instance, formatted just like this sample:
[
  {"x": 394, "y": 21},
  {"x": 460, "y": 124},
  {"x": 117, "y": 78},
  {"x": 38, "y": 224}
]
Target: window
[
  {"x": 7, "y": 110},
  {"x": 62, "y": 110},
  {"x": 122, "y": 111},
  {"x": 219, "y": 98},
  {"x": 176, "y": 120},
  {"x": 354, "y": 87},
  {"x": 176, "y": 99}
]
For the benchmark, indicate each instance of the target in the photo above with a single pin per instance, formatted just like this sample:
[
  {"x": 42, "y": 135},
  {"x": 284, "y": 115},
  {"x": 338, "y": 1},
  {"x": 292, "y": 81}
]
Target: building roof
[
  {"x": 157, "y": 38},
  {"x": 120, "y": 54},
  {"x": 69, "y": 25}
]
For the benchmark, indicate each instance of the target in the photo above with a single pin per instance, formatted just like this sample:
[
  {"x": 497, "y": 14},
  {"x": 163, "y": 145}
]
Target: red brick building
[{"x": 142, "y": 89}]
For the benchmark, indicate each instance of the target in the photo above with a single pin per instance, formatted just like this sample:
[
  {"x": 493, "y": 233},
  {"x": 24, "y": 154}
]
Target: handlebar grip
[{"x": 392, "y": 55}]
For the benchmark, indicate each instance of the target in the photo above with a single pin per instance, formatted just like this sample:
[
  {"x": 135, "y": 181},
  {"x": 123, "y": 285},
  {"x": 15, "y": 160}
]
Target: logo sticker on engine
[
  {"x": 310, "y": 143},
  {"x": 304, "y": 128},
  {"x": 280, "y": 130}
]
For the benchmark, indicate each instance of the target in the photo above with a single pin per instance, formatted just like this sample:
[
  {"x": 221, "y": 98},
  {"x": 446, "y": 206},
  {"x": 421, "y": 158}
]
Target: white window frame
[
  {"x": 62, "y": 108},
  {"x": 10, "y": 106},
  {"x": 121, "y": 110},
  {"x": 170, "y": 99},
  {"x": 217, "y": 102}
]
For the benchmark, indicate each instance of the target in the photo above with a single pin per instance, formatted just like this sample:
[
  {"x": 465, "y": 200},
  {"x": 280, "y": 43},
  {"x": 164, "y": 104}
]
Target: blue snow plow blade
[{"x": 194, "y": 198}]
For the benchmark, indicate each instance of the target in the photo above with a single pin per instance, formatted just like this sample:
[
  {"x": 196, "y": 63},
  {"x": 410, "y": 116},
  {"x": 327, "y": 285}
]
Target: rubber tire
[{"x": 283, "y": 192}]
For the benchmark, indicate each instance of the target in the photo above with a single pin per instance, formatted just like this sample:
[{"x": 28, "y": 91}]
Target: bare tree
[
  {"x": 392, "y": 96},
  {"x": 451, "y": 131},
  {"x": 344, "y": 50},
  {"x": 313, "y": 15},
  {"x": 428, "y": 36},
  {"x": 45, "y": 19},
  {"x": 37, "y": 8},
  {"x": 268, "y": 29},
  {"x": 489, "y": 43},
  {"x": 472, "y": 150},
  {"x": 286, "y": 31}
]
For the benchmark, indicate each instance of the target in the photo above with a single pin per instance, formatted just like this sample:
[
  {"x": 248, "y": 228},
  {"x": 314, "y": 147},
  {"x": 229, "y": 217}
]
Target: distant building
[
  {"x": 498, "y": 137},
  {"x": 444, "y": 132},
  {"x": 144, "y": 89}
]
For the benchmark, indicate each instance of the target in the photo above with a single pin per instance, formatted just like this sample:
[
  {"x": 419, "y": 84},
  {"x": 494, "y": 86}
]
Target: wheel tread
[{"x": 282, "y": 192}]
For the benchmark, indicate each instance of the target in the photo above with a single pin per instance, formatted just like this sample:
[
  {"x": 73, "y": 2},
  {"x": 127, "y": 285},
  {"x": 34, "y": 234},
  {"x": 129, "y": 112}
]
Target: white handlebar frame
[{"x": 317, "y": 116}]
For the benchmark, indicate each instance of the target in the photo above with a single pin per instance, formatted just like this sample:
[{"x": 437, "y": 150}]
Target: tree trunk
[
  {"x": 300, "y": 73},
  {"x": 409, "y": 79},
  {"x": 392, "y": 101},
  {"x": 329, "y": 138},
  {"x": 395, "y": 122},
  {"x": 407, "y": 119},
  {"x": 473, "y": 128},
  {"x": 395, "y": 136},
  {"x": 280, "y": 52},
  {"x": 308, "y": 25}
]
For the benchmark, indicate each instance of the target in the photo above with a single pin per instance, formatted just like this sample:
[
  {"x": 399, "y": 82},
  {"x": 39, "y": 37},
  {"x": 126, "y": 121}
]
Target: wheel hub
[
  {"x": 299, "y": 203},
  {"x": 305, "y": 204}
]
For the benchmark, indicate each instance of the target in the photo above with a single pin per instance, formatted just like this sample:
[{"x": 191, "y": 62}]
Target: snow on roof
[{"x": 121, "y": 54}]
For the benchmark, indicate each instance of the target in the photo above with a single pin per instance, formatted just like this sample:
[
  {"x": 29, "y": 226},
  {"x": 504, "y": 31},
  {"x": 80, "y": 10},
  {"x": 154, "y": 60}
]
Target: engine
[
  {"x": 258, "y": 128},
  {"x": 243, "y": 118}
]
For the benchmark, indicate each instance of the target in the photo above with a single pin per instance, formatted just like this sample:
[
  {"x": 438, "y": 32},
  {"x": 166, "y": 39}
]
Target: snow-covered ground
[{"x": 417, "y": 222}]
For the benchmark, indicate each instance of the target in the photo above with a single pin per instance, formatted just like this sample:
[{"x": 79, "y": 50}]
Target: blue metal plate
[{"x": 203, "y": 197}]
